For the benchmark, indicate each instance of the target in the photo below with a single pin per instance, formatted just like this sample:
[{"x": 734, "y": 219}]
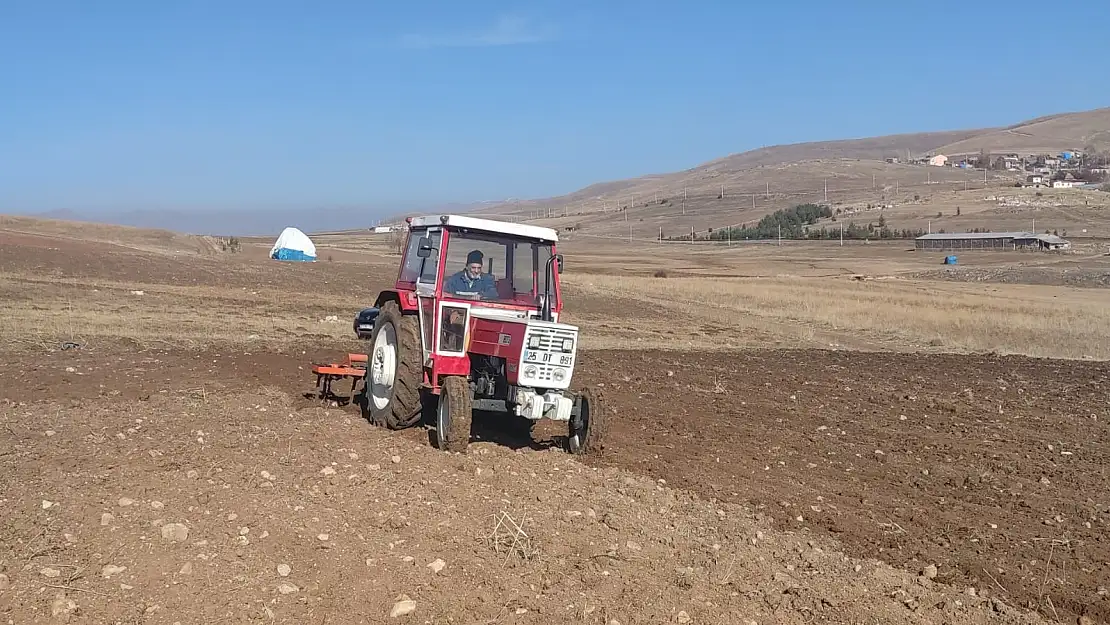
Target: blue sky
[{"x": 261, "y": 104}]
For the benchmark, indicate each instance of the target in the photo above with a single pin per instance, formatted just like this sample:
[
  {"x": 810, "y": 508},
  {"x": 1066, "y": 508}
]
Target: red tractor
[{"x": 472, "y": 323}]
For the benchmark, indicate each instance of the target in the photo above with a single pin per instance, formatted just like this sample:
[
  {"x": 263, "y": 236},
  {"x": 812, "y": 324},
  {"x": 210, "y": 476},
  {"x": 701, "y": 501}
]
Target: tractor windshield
[{"x": 495, "y": 267}]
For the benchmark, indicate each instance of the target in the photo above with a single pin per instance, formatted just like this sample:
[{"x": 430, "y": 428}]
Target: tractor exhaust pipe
[{"x": 546, "y": 313}]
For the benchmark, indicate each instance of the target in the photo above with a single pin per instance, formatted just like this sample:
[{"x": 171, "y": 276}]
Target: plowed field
[{"x": 737, "y": 486}]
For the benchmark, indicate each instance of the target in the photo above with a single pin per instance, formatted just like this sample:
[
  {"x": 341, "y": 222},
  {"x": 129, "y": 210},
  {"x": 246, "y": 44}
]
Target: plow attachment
[{"x": 354, "y": 368}]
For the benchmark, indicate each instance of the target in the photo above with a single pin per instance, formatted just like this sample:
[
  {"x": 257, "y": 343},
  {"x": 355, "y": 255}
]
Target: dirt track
[{"x": 992, "y": 469}]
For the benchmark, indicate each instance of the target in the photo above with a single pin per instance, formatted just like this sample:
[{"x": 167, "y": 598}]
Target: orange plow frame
[{"x": 354, "y": 368}]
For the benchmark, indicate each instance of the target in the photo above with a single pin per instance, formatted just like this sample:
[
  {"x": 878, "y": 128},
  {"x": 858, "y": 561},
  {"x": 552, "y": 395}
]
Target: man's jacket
[{"x": 483, "y": 285}]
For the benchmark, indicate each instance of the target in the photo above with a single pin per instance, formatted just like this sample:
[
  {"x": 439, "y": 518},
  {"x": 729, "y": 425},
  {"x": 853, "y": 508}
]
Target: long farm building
[{"x": 990, "y": 241}]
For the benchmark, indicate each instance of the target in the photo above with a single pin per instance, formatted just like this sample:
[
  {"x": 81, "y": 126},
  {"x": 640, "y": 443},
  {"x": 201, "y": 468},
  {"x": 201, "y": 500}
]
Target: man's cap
[{"x": 474, "y": 257}]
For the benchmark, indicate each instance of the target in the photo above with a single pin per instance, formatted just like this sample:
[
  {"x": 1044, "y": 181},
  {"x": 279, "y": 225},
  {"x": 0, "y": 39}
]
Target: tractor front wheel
[
  {"x": 393, "y": 370},
  {"x": 454, "y": 414},
  {"x": 588, "y": 423}
]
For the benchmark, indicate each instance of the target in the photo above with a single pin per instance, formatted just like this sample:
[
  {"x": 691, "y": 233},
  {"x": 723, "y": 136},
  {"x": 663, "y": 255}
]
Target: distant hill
[
  {"x": 1088, "y": 130},
  {"x": 721, "y": 191}
]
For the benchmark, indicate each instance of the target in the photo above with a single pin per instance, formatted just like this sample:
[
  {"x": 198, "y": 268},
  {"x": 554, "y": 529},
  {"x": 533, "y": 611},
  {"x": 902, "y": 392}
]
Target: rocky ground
[
  {"x": 1075, "y": 276},
  {"x": 255, "y": 508}
]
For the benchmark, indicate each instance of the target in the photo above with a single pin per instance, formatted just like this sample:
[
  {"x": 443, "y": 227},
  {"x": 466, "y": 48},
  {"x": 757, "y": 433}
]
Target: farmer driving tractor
[{"x": 471, "y": 280}]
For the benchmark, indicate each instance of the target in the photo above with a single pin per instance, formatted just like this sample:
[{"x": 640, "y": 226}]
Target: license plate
[{"x": 534, "y": 356}]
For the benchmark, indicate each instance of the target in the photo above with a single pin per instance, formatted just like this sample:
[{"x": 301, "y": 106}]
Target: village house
[{"x": 938, "y": 161}]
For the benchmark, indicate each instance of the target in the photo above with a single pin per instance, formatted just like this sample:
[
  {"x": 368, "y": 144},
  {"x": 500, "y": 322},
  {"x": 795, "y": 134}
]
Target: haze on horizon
[{"x": 131, "y": 105}]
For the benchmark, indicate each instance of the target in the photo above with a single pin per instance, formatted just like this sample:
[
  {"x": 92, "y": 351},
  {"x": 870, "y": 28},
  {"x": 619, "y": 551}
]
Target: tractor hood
[{"x": 538, "y": 353}]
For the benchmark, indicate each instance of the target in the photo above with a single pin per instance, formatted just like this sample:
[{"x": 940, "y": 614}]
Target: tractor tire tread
[
  {"x": 598, "y": 430},
  {"x": 456, "y": 392},
  {"x": 404, "y": 409}
]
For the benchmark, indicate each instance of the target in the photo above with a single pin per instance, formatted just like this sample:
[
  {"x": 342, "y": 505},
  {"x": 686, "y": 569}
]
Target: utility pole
[
  {"x": 842, "y": 234},
  {"x": 730, "y": 236},
  {"x": 722, "y": 191},
  {"x": 630, "y": 233},
  {"x": 780, "y": 235},
  {"x": 753, "y": 201},
  {"x": 683, "y": 200},
  {"x": 691, "y": 234},
  {"x": 826, "y": 189},
  {"x": 660, "y": 234},
  {"x": 767, "y": 191},
  {"x": 930, "y": 231}
]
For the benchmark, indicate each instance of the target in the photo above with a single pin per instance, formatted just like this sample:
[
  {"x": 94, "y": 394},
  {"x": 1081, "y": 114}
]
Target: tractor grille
[{"x": 551, "y": 341}]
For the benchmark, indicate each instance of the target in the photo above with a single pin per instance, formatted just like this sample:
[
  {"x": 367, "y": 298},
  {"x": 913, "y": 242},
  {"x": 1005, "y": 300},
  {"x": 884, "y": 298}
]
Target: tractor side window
[
  {"x": 411, "y": 267},
  {"x": 431, "y": 264},
  {"x": 452, "y": 328},
  {"x": 523, "y": 268},
  {"x": 543, "y": 254}
]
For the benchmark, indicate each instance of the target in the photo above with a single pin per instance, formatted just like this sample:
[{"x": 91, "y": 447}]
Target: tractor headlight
[
  {"x": 568, "y": 345},
  {"x": 559, "y": 374},
  {"x": 530, "y": 371},
  {"x": 534, "y": 341}
]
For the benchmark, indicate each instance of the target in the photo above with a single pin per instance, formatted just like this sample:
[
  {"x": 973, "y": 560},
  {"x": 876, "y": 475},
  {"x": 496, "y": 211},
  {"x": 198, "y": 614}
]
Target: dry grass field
[{"x": 801, "y": 433}]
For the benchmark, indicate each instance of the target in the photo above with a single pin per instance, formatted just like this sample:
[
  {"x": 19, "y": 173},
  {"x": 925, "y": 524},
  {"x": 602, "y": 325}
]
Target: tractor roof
[{"x": 487, "y": 225}]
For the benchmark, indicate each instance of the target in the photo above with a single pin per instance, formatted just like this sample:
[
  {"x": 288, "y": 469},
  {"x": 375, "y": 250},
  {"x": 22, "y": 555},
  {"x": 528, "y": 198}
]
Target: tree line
[{"x": 798, "y": 222}]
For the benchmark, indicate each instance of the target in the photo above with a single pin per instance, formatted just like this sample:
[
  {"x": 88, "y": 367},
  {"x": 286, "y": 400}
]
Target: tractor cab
[
  {"x": 473, "y": 322},
  {"x": 496, "y": 268}
]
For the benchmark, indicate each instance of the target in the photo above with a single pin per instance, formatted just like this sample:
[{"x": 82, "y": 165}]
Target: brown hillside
[
  {"x": 1072, "y": 131},
  {"x": 721, "y": 192},
  {"x": 141, "y": 239}
]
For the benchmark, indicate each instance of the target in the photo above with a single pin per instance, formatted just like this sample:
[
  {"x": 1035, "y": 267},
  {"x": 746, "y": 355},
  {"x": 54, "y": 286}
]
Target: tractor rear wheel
[
  {"x": 588, "y": 423},
  {"x": 393, "y": 370},
  {"x": 454, "y": 414}
]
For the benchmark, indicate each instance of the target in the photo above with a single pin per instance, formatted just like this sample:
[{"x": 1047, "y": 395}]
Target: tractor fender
[{"x": 406, "y": 300}]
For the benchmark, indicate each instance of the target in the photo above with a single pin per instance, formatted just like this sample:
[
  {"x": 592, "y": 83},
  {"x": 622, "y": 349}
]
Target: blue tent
[{"x": 292, "y": 244}]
